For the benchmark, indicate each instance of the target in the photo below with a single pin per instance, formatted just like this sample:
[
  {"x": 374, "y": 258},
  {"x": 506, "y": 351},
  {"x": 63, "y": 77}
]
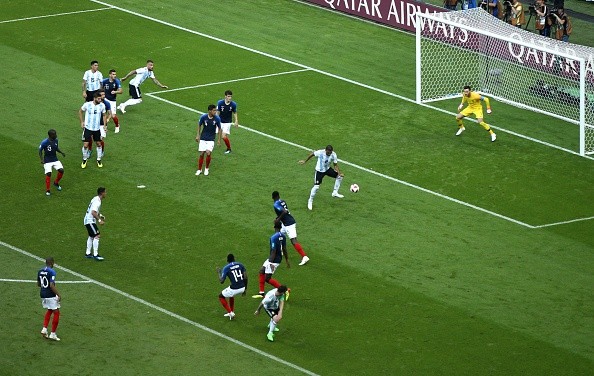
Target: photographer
[
  {"x": 540, "y": 23},
  {"x": 492, "y": 6},
  {"x": 450, "y": 4},
  {"x": 517, "y": 14},
  {"x": 562, "y": 25}
]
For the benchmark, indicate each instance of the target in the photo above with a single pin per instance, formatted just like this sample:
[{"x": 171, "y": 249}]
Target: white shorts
[
  {"x": 47, "y": 167},
  {"x": 50, "y": 303},
  {"x": 268, "y": 269},
  {"x": 205, "y": 145},
  {"x": 289, "y": 231},
  {"x": 229, "y": 292},
  {"x": 225, "y": 127},
  {"x": 113, "y": 107},
  {"x": 103, "y": 130}
]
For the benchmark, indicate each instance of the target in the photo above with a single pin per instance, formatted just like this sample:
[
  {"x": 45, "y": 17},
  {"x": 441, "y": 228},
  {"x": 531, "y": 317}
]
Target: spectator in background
[
  {"x": 450, "y": 4},
  {"x": 562, "y": 25},
  {"x": 540, "y": 23},
  {"x": 468, "y": 4},
  {"x": 517, "y": 14},
  {"x": 493, "y": 7}
]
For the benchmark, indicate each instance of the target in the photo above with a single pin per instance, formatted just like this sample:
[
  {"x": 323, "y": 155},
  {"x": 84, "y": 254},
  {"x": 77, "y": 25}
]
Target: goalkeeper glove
[{"x": 488, "y": 110}]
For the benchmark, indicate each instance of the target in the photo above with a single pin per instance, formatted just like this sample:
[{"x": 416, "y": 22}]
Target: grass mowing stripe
[
  {"x": 364, "y": 169},
  {"x": 34, "y": 281},
  {"x": 326, "y": 74},
  {"x": 163, "y": 310},
  {"x": 54, "y": 15},
  {"x": 228, "y": 81}
]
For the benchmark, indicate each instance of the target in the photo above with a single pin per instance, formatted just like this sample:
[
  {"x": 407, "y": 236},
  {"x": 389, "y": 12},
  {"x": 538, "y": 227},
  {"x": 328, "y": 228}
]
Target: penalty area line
[
  {"x": 55, "y": 15},
  {"x": 163, "y": 310},
  {"x": 362, "y": 168},
  {"x": 33, "y": 281},
  {"x": 565, "y": 222},
  {"x": 228, "y": 81}
]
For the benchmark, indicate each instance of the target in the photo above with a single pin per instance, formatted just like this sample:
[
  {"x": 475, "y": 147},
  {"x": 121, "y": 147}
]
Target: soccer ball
[{"x": 354, "y": 188}]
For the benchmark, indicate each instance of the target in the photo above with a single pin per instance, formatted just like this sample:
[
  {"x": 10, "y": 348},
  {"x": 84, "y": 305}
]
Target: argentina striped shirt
[{"x": 93, "y": 114}]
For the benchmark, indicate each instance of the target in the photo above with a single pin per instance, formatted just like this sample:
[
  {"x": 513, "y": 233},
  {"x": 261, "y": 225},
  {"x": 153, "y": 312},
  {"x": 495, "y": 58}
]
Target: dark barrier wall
[{"x": 399, "y": 14}]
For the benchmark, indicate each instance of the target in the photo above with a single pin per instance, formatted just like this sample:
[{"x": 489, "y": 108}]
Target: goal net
[{"x": 511, "y": 65}]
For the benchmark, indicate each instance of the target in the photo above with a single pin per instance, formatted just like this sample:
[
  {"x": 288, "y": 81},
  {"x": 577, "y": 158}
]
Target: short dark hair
[
  {"x": 51, "y": 132},
  {"x": 211, "y": 107},
  {"x": 97, "y": 94},
  {"x": 94, "y": 62},
  {"x": 282, "y": 289},
  {"x": 277, "y": 225},
  {"x": 150, "y": 61},
  {"x": 100, "y": 190},
  {"x": 467, "y": 87},
  {"x": 112, "y": 71},
  {"x": 275, "y": 194},
  {"x": 49, "y": 260},
  {"x": 228, "y": 92},
  {"x": 230, "y": 257},
  {"x": 329, "y": 148}
]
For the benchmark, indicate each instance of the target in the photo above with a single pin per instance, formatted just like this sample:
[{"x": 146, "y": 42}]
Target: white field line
[
  {"x": 34, "y": 281},
  {"x": 54, "y": 15},
  {"x": 229, "y": 81},
  {"x": 163, "y": 310},
  {"x": 361, "y": 168},
  {"x": 565, "y": 222},
  {"x": 324, "y": 73}
]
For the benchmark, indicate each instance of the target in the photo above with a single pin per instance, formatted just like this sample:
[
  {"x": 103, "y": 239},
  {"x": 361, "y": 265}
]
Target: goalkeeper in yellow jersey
[{"x": 474, "y": 107}]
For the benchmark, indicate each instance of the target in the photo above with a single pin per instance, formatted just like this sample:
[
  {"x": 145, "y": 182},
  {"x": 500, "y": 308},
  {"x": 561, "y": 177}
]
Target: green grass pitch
[{"x": 458, "y": 256}]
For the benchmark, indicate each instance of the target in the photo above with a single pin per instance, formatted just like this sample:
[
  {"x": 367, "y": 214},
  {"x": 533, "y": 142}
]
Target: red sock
[
  {"x": 200, "y": 161},
  {"x": 116, "y": 121},
  {"x": 56, "y": 320},
  {"x": 274, "y": 282},
  {"x": 90, "y": 147},
  {"x": 232, "y": 303},
  {"x": 207, "y": 161},
  {"x": 227, "y": 142},
  {"x": 46, "y": 319},
  {"x": 262, "y": 281},
  {"x": 224, "y": 303},
  {"x": 103, "y": 145},
  {"x": 299, "y": 249},
  {"x": 47, "y": 182},
  {"x": 60, "y": 174}
]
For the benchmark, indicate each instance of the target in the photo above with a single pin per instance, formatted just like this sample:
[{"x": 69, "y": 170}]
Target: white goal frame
[{"x": 466, "y": 21}]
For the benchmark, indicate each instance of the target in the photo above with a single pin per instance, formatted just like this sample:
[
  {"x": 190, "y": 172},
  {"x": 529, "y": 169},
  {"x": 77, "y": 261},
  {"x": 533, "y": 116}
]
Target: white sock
[
  {"x": 313, "y": 192},
  {"x": 271, "y": 326},
  {"x": 85, "y": 152},
  {"x": 99, "y": 153},
  {"x": 95, "y": 246},
  {"x": 337, "y": 183},
  {"x": 131, "y": 102},
  {"x": 89, "y": 245}
]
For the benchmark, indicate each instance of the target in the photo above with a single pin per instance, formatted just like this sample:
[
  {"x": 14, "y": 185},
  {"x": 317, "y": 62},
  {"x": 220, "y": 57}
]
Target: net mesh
[{"x": 521, "y": 74}]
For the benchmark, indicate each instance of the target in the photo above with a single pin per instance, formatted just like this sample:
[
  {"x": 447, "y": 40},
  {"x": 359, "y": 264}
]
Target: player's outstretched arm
[
  {"x": 159, "y": 84},
  {"x": 131, "y": 73},
  {"x": 304, "y": 161}
]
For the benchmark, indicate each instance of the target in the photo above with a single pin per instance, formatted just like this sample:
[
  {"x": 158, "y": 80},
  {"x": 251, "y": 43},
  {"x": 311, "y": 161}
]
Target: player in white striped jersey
[
  {"x": 93, "y": 217},
  {"x": 91, "y": 81},
  {"x": 140, "y": 75},
  {"x": 325, "y": 157},
  {"x": 94, "y": 112}
]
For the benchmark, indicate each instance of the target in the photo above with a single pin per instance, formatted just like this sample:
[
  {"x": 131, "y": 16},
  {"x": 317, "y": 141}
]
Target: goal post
[{"x": 510, "y": 65}]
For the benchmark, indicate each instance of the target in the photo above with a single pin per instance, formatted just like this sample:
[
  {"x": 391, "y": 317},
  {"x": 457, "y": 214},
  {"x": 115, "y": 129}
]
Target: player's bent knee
[{"x": 48, "y": 174}]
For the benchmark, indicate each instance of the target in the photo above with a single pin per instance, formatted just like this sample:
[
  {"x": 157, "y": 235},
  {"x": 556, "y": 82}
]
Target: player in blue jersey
[
  {"x": 227, "y": 111},
  {"x": 274, "y": 304},
  {"x": 113, "y": 87},
  {"x": 278, "y": 249},
  {"x": 289, "y": 225},
  {"x": 238, "y": 277},
  {"x": 208, "y": 127},
  {"x": 325, "y": 158},
  {"x": 50, "y": 297},
  {"x": 49, "y": 159}
]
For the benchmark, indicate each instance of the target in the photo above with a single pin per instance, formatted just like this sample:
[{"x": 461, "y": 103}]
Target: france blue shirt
[
  {"x": 209, "y": 127},
  {"x": 110, "y": 86},
  {"x": 46, "y": 277},
  {"x": 226, "y": 110},
  {"x": 235, "y": 271},
  {"x": 49, "y": 147},
  {"x": 277, "y": 243},
  {"x": 107, "y": 108},
  {"x": 279, "y": 207}
]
